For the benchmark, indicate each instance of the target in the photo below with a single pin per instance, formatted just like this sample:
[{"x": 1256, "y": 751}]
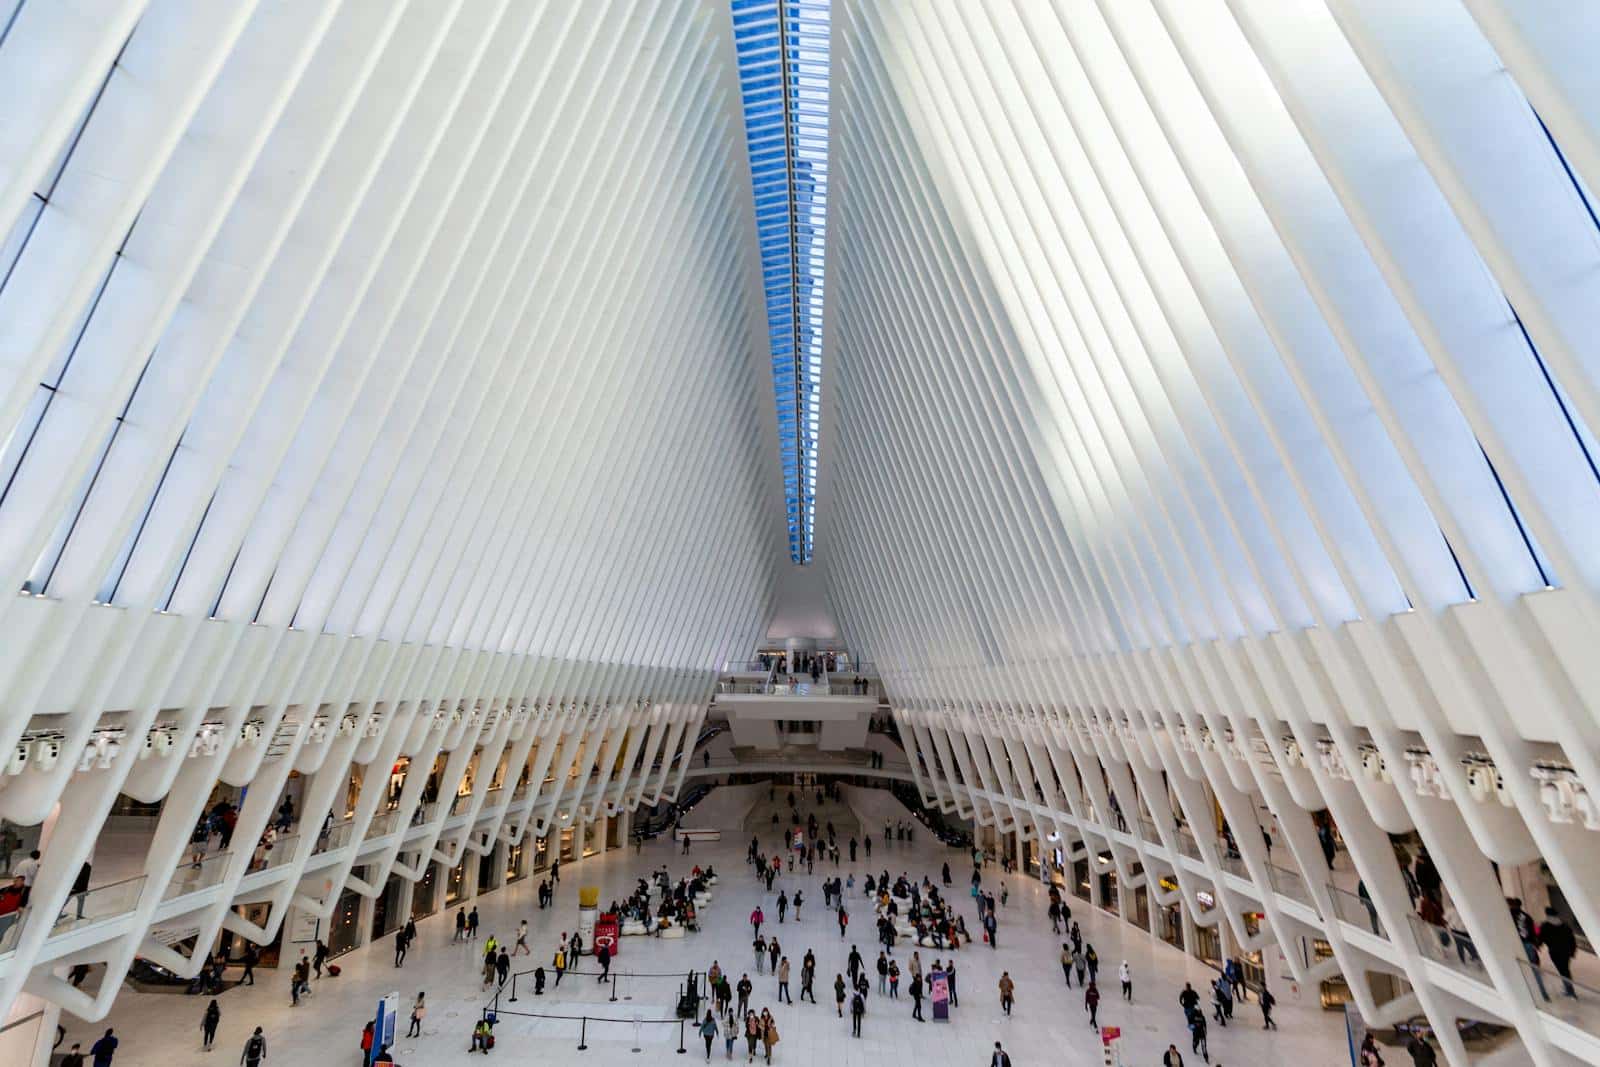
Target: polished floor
[{"x": 1048, "y": 1024}]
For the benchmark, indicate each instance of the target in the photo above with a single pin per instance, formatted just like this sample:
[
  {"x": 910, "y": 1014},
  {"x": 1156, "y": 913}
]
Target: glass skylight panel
[{"x": 783, "y": 76}]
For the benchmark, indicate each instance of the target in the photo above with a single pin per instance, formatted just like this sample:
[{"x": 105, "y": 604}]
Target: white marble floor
[{"x": 1048, "y": 1026}]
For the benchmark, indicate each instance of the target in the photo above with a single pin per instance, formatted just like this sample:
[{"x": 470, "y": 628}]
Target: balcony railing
[
  {"x": 1351, "y": 908},
  {"x": 109, "y": 901},
  {"x": 192, "y": 877}
]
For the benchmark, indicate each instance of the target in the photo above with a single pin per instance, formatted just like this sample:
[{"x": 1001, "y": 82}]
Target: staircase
[{"x": 759, "y": 820}]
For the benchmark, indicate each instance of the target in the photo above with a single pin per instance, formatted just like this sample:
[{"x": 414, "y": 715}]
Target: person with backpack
[
  {"x": 1091, "y": 1004},
  {"x": 255, "y": 1050},
  {"x": 1000, "y": 1058},
  {"x": 858, "y": 1008}
]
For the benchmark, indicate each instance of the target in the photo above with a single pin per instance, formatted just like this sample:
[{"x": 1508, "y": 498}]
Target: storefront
[
  {"x": 386, "y": 912},
  {"x": 566, "y": 844},
  {"x": 1140, "y": 906},
  {"x": 1080, "y": 879},
  {"x": 1207, "y": 939},
  {"x": 516, "y": 862},
  {"x": 1170, "y": 917},
  {"x": 424, "y": 893},
  {"x": 1107, "y": 873},
  {"x": 486, "y": 864},
  {"x": 455, "y": 884},
  {"x": 541, "y": 854},
  {"x": 344, "y": 928}
]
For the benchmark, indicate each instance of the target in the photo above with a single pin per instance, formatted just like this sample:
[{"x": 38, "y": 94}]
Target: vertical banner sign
[
  {"x": 588, "y": 912},
  {"x": 606, "y": 931},
  {"x": 939, "y": 994},
  {"x": 1111, "y": 1042},
  {"x": 383, "y": 1023}
]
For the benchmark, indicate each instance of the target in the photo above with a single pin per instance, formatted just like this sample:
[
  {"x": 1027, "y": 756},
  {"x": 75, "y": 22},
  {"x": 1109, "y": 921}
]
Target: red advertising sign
[{"x": 607, "y": 932}]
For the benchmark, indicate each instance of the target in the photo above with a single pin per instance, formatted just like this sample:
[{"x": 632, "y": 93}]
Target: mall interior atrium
[{"x": 1127, "y": 456}]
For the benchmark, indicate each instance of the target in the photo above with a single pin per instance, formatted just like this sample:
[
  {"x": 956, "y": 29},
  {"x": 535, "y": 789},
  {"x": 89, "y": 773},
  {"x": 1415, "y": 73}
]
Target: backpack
[{"x": 256, "y": 1047}]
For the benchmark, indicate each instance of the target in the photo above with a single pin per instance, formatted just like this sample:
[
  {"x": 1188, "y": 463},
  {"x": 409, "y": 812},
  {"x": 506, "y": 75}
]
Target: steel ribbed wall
[
  {"x": 1213, "y": 384},
  {"x": 376, "y": 381}
]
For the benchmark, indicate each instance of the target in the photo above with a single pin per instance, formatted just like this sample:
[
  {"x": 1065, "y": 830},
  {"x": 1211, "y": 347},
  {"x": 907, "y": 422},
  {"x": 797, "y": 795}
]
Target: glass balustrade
[
  {"x": 195, "y": 876},
  {"x": 1351, "y": 908},
  {"x": 1451, "y": 948}
]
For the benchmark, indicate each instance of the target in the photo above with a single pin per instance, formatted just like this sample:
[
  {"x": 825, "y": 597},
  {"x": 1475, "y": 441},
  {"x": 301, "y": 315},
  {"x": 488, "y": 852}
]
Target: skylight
[{"x": 784, "y": 79}]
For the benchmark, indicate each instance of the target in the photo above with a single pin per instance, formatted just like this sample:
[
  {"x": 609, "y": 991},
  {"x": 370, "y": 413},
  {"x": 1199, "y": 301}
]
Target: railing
[
  {"x": 381, "y": 825},
  {"x": 192, "y": 877},
  {"x": 282, "y": 852},
  {"x": 1290, "y": 884},
  {"x": 98, "y": 904},
  {"x": 1353, "y": 909},
  {"x": 1570, "y": 1001},
  {"x": 338, "y": 836},
  {"x": 1442, "y": 945}
]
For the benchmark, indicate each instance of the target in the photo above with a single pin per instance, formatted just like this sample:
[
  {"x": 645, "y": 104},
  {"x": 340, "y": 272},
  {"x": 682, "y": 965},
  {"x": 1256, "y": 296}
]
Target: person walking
[
  {"x": 756, "y": 919},
  {"x": 250, "y": 958},
  {"x": 1172, "y": 1057},
  {"x": 502, "y": 966},
  {"x": 73, "y": 1058},
  {"x": 743, "y": 989},
  {"x": 320, "y": 958},
  {"x": 1008, "y": 991},
  {"x": 419, "y": 1008},
  {"x": 950, "y": 982},
  {"x": 1125, "y": 975},
  {"x": 521, "y": 948},
  {"x": 472, "y": 924},
  {"x": 1091, "y": 1004},
  {"x": 752, "y": 1034},
  {"x": 708, "y": 1031},
  {"x": 1422, "y": 1054},
  {"x": 104, "y": 1049},
  {"x": 255, "y": 1049},
  {"x": 894, "y": 980},
  {"x": 1066, "y": 963},
  {"x": 461, "y": 925},
  {"x": 400, "y": 946},
  {"x": 1561, "y": 943},
  {"x": 783, "y": 905},
  {"x": 773, "y": 952},
  {"x": 559, "y": 962},
  {"x": 844, "y": 920},
  {"x": 858, "y": 1008},
  {"x": 208, "y": 1025},
  {"x": 602, "y": 956},
  {"x": 730, "y": 1029},
  {"x": 1000, "y": 1058},
  {"x": 916, "y": 997},
  {"x": 1079, "y": 965},
  {"x": 783, "y": 982},
  {"x": 1268, "y": 1001},
  {"x": 808, "y": 975},
  {"x": 1197, "y": 1034},
  {"x": 883, "y": 974},
  {"x": 838, "y": 994},
  {"x": 769, "y": 1035}
]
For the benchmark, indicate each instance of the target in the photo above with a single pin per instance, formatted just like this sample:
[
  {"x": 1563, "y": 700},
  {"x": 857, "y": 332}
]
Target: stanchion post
[
  {"x": 583, "y": 1034},
  {"x": 613, "y": 989},
  {"x": 513, "y": 988},
  {"x": 681, "y": 1049}
]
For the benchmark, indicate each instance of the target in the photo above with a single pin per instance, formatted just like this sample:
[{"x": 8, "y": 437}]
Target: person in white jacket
[{"x": 1126, "y": 976}]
